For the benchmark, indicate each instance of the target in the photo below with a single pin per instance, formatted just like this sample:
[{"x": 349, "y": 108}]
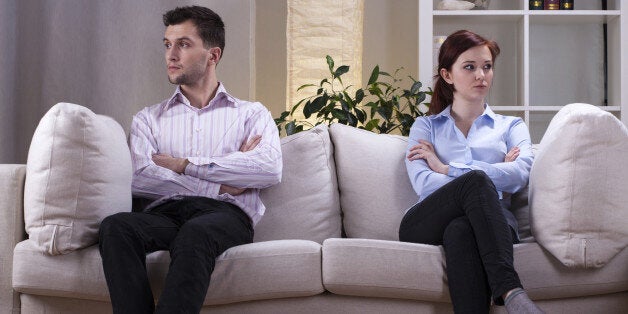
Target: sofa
[{"x": 328, "y": 242}]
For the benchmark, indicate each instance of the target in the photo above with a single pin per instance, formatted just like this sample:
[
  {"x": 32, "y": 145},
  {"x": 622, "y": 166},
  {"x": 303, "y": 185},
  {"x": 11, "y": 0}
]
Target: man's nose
[{"x": 172, "y": 54}]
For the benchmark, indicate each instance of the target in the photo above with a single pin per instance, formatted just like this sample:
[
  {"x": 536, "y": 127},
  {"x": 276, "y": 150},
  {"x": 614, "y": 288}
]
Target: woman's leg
[
  {"x": 468, "y": 285},
  {"x": 472, "y": 195}
]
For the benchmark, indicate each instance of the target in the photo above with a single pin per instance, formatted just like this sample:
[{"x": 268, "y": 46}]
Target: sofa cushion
[
  {"x": 376, "y": 268},
  {"x": 256, "y": 271},
  {"x": 78, "y": 172},
  {"x": 578, "y": 195},
  {"x": 374, "y": 186},
  {"x": 305, "y": 204}
]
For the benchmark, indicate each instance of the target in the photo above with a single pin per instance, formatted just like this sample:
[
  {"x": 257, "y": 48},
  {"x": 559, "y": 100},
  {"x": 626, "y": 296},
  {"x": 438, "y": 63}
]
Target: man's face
[{"x": 186, "y": 57}]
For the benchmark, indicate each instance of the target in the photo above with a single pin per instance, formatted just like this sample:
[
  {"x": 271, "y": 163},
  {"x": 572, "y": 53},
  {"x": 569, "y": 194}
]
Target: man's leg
[
  {"x": 193, "y": 252},
  {"x": 124, "y": 240}
]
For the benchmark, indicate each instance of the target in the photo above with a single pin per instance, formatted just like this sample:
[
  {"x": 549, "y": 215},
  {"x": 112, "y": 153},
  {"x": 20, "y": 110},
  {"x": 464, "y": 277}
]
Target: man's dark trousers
[{"x": 195, "y": 230}]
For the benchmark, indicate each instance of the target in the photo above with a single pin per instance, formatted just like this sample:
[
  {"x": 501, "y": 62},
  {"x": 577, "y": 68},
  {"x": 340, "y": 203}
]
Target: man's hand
[
  {"x": 175, "y": 164},
  {"x": 512, "y": 154},
  {"x": 425, "y": 150},
  {"x": 246, "y": 146}
]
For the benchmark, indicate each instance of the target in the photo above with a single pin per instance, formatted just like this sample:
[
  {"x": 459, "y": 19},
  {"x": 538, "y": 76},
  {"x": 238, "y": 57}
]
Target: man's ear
[
  {"x": 446, "y": 76},
  {"x": 215, "y": 54}
]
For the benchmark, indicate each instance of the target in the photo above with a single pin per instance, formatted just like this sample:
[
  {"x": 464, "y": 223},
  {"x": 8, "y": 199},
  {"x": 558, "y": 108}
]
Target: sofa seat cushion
[
  {"x": 381, "y": 268},
  {"x": 378, "y": 268},
  {"x": 265, "y": 270}
]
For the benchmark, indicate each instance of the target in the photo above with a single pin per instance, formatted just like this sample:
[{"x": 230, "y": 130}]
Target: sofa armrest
[{"x": 11, "y": 230}]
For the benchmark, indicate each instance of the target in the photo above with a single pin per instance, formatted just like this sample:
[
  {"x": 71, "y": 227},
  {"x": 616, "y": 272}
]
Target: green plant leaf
[
  {"x": 345, "y": 105},
  {"x": 415, "y": 87},
  {"x": 359, "y": 95},
  {"x": 348, "y": 99},
  {"x": 305, "y": 86},
  {"x": 374, "y": 75},
  {"x": 372, "y": 124},
  {"x": 314, "y": 106},
  {"x": 341, "y": 70},
  {"x": 291, "y": 128},
  {"x": 330, "y": 63},
  {"x": 352, "y": 120},
  {"x": 360, "y": 114},
  {"x": 339, "y": 114},
  {"x": 385, "y": 74}
]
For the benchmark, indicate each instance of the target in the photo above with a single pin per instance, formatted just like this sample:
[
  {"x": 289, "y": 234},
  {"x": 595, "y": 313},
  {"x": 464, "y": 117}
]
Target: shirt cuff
[{"x": 457, "y": 169}]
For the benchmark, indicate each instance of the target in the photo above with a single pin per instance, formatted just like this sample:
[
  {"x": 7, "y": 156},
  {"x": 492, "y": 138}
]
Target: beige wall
[{"x": 108, "y": 56}]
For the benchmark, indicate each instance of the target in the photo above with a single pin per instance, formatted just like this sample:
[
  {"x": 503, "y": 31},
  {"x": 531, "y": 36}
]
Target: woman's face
[{"x": 471, "y": 74}]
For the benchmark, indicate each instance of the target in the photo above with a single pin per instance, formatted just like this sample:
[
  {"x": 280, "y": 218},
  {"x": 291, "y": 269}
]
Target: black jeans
[
  {"x": 195, "y": 230},
  {"x": 465, "y": 216}
]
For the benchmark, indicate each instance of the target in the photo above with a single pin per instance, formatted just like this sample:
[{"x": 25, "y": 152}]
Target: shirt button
[
  {"x": 198, "y": 130},
  {"x": 198, "y": 153}
]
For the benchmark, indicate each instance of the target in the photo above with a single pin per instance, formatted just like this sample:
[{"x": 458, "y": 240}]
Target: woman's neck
[{"x": 465, "y": 111}]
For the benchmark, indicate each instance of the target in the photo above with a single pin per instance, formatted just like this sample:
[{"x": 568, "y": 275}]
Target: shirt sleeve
[
  {"x": 507, "y": 176},
  {"x": 151, "y": 180},
  {"x": 257, "y": 168},
  {"x": 424, "y": 180}
]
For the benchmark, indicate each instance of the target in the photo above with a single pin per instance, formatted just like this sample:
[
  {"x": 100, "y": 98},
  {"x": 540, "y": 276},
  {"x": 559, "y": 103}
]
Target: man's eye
[
  {"x": 167, "y": 45},
  {"x": 184, "y": 45}
]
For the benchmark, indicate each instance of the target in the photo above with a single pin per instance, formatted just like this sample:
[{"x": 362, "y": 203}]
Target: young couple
[{"x": 202, "y": 156}]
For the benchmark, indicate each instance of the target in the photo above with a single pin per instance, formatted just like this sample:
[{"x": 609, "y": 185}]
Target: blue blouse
[{"x": 491, "y": 136}]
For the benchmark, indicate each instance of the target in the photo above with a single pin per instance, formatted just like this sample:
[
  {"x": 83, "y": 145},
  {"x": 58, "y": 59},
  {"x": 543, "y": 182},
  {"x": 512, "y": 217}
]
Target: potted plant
[{"x": 383, "y": 106}]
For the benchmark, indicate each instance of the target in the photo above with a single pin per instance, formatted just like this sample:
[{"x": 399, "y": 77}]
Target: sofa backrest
[
  {"x": 305, "y": 205},
  {"x": 375, "y": 190}
]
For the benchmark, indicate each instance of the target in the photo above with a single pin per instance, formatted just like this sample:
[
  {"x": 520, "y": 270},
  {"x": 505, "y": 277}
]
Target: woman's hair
[{"x": 451, "y": 49}]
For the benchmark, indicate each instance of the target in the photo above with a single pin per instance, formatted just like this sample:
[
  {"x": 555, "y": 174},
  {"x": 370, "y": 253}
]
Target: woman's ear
[{"x": 446, "y": 76}]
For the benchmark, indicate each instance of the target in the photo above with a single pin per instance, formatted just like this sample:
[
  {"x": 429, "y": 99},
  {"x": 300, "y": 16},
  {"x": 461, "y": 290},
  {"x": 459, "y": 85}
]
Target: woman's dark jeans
[{"x": 465, "y": 216}]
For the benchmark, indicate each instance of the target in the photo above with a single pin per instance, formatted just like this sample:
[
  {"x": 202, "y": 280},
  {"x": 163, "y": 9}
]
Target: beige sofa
[{"x": 328, "y": 242}]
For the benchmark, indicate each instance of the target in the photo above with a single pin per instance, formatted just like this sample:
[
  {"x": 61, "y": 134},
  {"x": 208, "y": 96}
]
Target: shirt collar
[
  {"x": 221, "y": 95},
  {"x": 488, "y": 112}
]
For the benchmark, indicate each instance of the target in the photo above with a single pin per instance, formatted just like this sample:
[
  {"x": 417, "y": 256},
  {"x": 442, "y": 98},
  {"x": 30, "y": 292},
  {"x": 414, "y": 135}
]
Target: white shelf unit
[{"x": 534, "y": 78}]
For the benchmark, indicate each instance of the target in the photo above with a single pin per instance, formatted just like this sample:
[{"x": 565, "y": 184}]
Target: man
[{"x": 202, "y": 155}]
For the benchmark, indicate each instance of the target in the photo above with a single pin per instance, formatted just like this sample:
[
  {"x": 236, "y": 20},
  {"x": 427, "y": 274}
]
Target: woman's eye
[
  {"x": 488, "y": 66},
  {"x": 469, "y": 67}
]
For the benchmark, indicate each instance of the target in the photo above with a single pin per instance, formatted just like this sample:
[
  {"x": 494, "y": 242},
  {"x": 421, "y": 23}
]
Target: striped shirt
[{"x": 210, "y": 138}]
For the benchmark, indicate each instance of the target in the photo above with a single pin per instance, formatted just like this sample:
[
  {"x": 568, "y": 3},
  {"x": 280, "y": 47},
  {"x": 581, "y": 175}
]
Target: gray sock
[{"x": 518, "y": 302}]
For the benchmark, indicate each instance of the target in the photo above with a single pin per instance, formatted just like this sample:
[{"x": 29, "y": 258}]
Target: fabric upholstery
[
  {"x": 78, "y": 172},
  {"x": 376, "y": 268},
  {"x": 305, "y": 204},
  {"x": 274, "y": 269},
  {"x": 12, "y": 226},
  {"x": 578, "y": 195},
  {"x": 374, "y": 187}
]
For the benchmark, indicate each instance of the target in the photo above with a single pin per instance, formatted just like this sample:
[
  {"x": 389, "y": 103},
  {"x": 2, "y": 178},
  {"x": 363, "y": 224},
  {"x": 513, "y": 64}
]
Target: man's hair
[{"x": 210, "y": 27}]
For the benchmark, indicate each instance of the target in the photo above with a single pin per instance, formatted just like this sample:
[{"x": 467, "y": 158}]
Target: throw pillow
[
  {"x": 578, "y": 195},
  {"x": 305, "y": 204},
  {"x": 374, "y": 186},
  {"x": 78, "y": 172}
]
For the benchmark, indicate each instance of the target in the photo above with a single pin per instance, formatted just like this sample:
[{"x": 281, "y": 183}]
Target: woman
[{"x": 462, "y": 160}]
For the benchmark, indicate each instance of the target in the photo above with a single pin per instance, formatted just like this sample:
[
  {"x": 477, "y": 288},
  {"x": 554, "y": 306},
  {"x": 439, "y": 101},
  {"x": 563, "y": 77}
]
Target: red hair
[{"x": 452, "y": 48}]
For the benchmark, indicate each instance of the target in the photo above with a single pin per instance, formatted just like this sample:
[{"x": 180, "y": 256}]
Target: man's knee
[{"x": 113, "y": 224}]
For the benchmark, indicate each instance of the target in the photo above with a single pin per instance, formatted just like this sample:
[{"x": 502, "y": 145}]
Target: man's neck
[{"x": 200, "y": 93}]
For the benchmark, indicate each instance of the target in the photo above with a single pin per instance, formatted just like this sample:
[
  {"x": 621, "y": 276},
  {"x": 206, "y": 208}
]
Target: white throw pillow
[
  {"x": 578, "y": 194},
  {"x": 305, "y": 204},
  {"x": 375, "y": 190},
  {"x": 78, "y": 172}
]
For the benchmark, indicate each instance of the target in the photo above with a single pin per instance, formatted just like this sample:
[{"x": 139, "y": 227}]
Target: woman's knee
[
  {"x": 479, "y": 178},
  {"x": 459, "y": 231}
]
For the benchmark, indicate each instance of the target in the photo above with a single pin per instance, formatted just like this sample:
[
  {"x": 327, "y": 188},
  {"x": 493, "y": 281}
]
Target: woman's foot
[{"x": 517, "y": 301}]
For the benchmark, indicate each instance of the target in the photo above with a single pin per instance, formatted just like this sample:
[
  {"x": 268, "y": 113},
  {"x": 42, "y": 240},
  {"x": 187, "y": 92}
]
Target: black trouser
[
  {"x": 465, "y": 216},
  {"x": 195, "y": 230}
]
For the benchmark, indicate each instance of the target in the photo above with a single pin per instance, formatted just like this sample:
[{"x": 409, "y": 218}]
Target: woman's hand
[
  {"x": 512, "y": 154},
  {"x": 425, "y": 150},
  {"x": 175, "y": 164}
]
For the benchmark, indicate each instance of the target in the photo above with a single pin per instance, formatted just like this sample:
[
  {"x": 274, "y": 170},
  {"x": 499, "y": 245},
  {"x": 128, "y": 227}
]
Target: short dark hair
[{"x": 210, "y": 27}]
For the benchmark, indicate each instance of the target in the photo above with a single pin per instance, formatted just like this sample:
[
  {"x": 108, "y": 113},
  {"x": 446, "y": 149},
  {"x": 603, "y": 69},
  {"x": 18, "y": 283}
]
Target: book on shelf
[
  {"x": 536, "y": 4},
  {"x": 552, "y": 4},
  {"x": 566, "y": 4}
]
